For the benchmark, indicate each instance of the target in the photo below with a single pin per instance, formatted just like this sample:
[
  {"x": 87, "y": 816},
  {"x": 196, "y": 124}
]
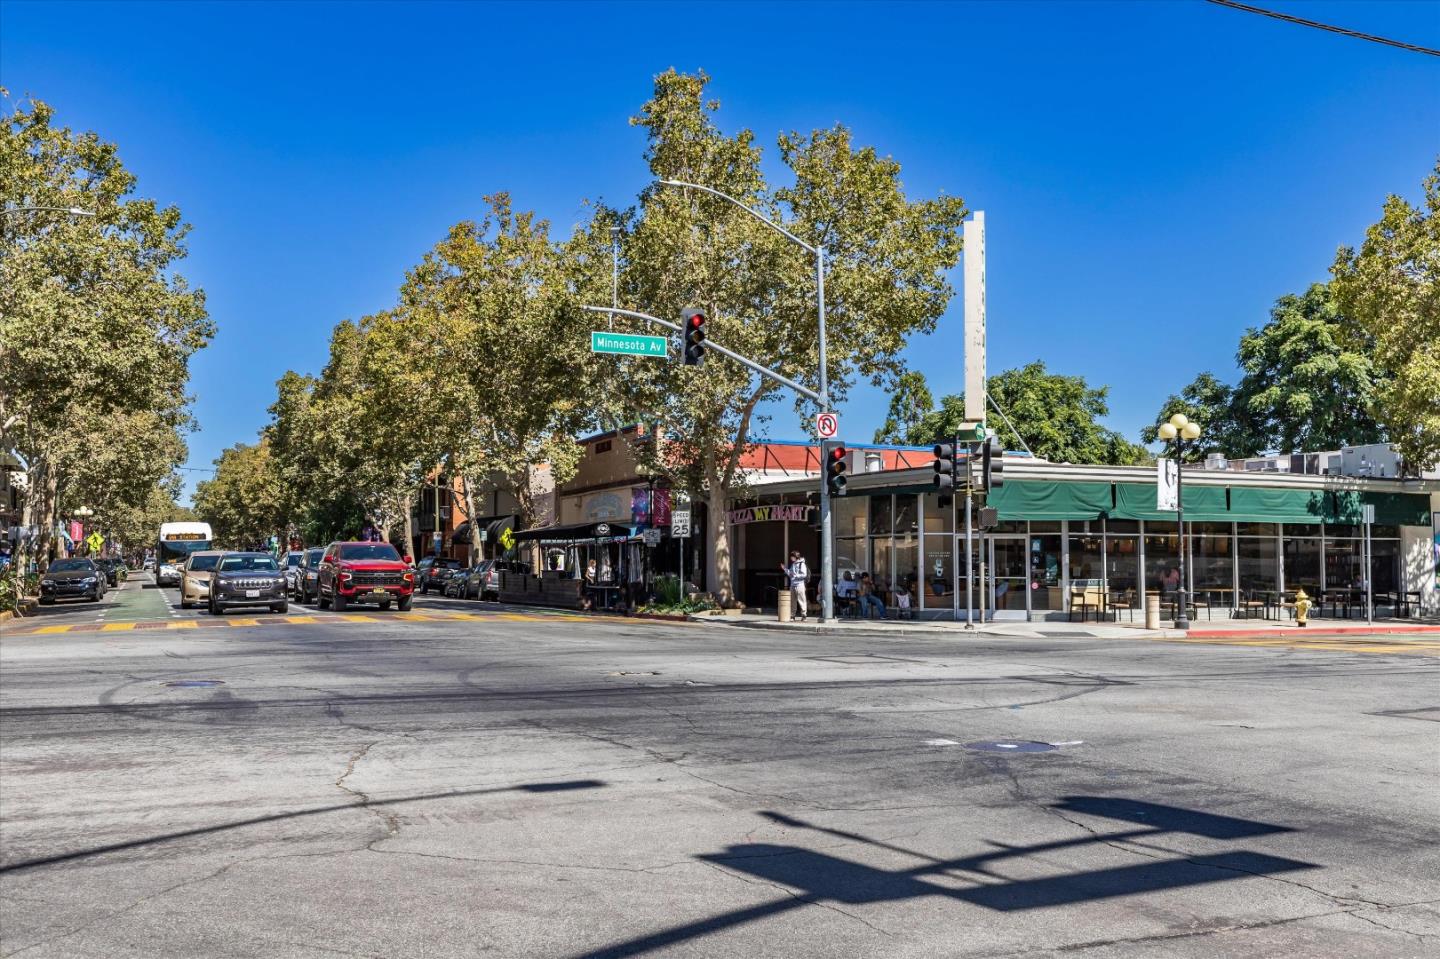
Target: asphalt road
[{"x": 530, "y": 784}]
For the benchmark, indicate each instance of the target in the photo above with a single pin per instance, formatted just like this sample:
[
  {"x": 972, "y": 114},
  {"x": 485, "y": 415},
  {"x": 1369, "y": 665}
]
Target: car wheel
[
  {"x": 320, "y": 599},
  {"x": 338, "y": 602},
  {"x": 404, "y": 604},
  {"x": 47, "y": 601},
  {"x": 385, "y": 605},
  {"x": 424, "y": 590},
  {"x": 186, "y": 604},
  {"x": 280, "y": 608}
]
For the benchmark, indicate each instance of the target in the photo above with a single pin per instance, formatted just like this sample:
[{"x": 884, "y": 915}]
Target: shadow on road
[
  {"x": 820, "y": 878},
  {"x": 149, "y": 841}
]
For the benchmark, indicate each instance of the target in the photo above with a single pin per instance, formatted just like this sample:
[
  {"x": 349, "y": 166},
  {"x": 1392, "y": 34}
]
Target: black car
[
  {"x": 433, "y": 572},
  {"x": 111, "y": 569},
  {"x": 303, "y": 590},
  {"x": 458, "y": 585},
  {"x": 72, "y": 579},
  {"x": 247, "y": 579}
]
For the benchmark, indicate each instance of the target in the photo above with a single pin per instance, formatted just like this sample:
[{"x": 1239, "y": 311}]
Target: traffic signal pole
[{"x": 827, "y": 540}]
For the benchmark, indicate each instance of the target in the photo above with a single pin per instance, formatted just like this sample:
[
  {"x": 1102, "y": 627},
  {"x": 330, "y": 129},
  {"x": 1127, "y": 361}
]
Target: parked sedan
[
  {"x": 111, "y": 569},
  {"x": 247, "y": 579},
  {"x": 72, "y": 579}
]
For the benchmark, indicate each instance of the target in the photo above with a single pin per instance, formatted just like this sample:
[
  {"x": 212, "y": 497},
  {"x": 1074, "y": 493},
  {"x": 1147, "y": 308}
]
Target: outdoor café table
[
  {"x": 1218, "y": 596},
  {"x": 606, "y": 597},
  {"x": 1350, "y": 598},
  {"x": 1405, "y": 604}
]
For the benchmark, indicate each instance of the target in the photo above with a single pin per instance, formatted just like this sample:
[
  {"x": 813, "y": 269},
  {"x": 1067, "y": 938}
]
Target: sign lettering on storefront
[{"x": 768, "y": 514}]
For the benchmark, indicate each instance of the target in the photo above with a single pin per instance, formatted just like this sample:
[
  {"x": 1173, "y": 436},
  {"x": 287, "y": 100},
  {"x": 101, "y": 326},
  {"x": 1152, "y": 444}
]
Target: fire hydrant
[{"x": 1302, "y": 607}]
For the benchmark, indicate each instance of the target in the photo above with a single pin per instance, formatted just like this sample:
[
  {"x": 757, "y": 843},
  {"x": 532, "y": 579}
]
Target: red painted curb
[{"x": 1311, "y": 631}]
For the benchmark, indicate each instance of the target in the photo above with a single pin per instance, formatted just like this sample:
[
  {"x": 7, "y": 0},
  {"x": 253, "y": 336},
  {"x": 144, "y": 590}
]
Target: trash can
[
  {"x": 1152, "y": 611},
  {"x": 783, "y": 599}
]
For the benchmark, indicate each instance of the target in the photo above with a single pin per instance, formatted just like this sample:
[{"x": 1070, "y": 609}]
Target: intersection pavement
[{"x": 474, "y": 780}]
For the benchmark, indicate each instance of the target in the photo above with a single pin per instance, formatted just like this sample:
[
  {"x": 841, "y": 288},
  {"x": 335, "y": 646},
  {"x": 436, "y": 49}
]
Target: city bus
[{"x": 177, "y": 541}]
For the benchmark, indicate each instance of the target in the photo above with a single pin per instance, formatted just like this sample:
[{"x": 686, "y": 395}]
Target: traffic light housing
[
  {"x": 992, "y": 464},
  {"x": 944, "y": 467},
  {"x": 835, "y": 456},
  {"x": 692, "y": 321}
]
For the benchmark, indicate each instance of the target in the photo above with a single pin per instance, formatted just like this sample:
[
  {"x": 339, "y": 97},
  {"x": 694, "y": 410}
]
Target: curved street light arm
[{"x": 755, "y": 213}]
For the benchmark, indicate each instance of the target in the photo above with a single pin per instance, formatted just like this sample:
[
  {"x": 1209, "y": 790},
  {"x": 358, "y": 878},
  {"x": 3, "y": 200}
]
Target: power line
[{"x": 1325, "y": 26}]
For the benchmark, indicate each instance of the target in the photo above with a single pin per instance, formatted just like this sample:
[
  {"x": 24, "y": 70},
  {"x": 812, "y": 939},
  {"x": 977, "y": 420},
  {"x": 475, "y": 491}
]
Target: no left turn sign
[{"x": 827, "y": 425}]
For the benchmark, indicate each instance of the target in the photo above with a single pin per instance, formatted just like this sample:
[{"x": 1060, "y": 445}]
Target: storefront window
[
  {"x": 851, "y": 515},
  {"x": 1086, "y": 557},
  {"x": 1045, "y": 582},
  {"x": 907, "y": 514},
  {"x": 907, "y": 571},
  {"x": 938, "y": 572},
  {"x": 938, "y": 519},
  {"x": 1213, "y": 558},
  {"x": 1122, "y": 558},
  {"x": 1385, "y": 564},
  {"x": 880, "y": 518},
  {"x": 1258, "y": 566},
  {"x": 1302, "y": 560},
  {"x": 1008, "y": 573},
  {"x": 1257, "y": 529},
  {"x": 1344, "y": 564},
  {"x": 1162, "y": 558},
  {"x": 851, "y": 553}
]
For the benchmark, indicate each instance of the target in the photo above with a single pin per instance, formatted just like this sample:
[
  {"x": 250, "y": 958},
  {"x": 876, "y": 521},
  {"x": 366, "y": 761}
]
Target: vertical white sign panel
[
  {"x": 975, "y": 318},
  {"x": 1167, "y": 485}
]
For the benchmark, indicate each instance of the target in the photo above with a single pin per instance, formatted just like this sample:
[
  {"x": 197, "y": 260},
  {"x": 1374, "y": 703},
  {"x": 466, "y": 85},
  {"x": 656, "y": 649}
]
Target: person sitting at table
[
  {"x": 1170, "y": 581},
  {"x": 846, "y": 591},
  {"x": 868, "y": 598}
]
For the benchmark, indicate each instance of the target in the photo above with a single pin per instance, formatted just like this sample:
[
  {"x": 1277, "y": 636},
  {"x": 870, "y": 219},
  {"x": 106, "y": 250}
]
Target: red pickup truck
[{"x": 364, "y": 573}]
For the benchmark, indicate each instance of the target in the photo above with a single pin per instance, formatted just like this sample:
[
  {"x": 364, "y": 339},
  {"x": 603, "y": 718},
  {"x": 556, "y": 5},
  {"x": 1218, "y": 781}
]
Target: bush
[{"x": 14, "y": 588}]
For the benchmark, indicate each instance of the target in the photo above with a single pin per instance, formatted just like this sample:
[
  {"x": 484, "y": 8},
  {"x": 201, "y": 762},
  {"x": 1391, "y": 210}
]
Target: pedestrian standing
[{"x": 799, "y": 577}]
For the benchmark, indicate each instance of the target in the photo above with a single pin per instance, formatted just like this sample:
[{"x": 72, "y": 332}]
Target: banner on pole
[{"x": 1167, "y": 485}]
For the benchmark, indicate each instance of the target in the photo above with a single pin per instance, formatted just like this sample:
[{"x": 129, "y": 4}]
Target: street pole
[
  {"x": 827, "y": 558},
  {"x": 969, "y": 563},
  {"x": 827, "y": 543},
  {"x": 1182, "y": 617}
]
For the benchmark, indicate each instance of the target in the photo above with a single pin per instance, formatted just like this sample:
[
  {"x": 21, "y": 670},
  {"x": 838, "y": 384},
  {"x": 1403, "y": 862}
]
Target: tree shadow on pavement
[{"x": 817, "y": 877}]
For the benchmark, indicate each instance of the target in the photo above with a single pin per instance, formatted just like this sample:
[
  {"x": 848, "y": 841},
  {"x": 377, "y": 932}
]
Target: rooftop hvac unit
[
  {"x": 1216, "y": 461},
  {"x": 874, "y": 461}
]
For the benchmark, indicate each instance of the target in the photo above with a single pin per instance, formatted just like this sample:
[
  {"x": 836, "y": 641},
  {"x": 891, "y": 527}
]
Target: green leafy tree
[
  {"x": 887, "y": 257},
  {"x": 242, "y": 501},
  {"x": 1308, "y": 382},
  {"x": 489, "y": 322},
  {"x": 96, "y": 326},
  {"x": 1390, "y": 288},
  {"x": 1058, "y": 417},
  {"x": 909, "y": 403}
]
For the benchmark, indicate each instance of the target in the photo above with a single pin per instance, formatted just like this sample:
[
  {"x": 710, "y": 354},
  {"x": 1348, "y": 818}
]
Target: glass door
[{"x": 1007, "y": 585}]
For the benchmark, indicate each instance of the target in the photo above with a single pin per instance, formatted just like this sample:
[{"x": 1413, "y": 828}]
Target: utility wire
[{"x": 1325, "y": 26}]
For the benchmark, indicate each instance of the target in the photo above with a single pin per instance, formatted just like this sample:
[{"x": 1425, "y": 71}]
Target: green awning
[
  {"x": 1041, "y": 501},
  {"x": 1391, "y": 509},
  {"x": 1203, "y": 504},
  {"x": 1259, "y": 505}
]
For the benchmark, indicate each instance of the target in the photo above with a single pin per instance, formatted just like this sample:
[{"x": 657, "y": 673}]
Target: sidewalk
[{"x": 1227, "y": 628}]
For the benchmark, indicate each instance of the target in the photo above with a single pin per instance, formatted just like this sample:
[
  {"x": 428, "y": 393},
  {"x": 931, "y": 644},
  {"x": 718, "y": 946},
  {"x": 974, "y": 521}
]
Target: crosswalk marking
[{"x": 116, "y": 627}]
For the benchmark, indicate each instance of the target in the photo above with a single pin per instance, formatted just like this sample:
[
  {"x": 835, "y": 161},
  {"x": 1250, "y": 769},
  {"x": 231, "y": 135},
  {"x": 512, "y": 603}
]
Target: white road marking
[{"x": 941, "y": 742}]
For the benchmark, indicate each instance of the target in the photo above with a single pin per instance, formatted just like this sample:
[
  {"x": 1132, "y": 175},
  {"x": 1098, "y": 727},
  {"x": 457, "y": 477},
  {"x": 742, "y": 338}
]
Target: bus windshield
[{"x": 176, "y": 550}]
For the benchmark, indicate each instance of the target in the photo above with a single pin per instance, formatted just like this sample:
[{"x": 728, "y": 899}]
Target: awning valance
[
  {"x": 1042, "y": 501},
  {"x": 1391, "y": 509},
  {"x": 579, "y": 533},
  {"x": 1259, "y": 505},
  {"x": 1203, "y": 504}
]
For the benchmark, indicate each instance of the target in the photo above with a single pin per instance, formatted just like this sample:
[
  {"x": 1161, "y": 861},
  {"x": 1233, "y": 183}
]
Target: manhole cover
[
  {"x": 195, "y": 683},
  {"x": 1010, "y": 746}
]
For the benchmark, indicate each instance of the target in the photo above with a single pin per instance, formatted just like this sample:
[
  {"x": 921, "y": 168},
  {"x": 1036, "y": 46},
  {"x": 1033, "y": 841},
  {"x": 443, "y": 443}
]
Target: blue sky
[{"x": 1154, "y": 175}]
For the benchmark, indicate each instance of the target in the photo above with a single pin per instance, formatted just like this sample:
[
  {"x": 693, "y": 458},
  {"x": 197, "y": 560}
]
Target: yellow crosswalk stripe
[
  {"x": 116, "y": 627},
  {"x": 246, "y": 621},
  {"x": 53, "y": 629},
  {"x": 358, "y": 618},
  {"x": 182, "y": 624}
]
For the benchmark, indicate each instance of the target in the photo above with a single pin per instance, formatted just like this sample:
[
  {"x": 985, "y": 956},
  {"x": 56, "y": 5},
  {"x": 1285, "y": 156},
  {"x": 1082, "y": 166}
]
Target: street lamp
[
  {"x": 1180, "y": 428},
  {"x": 827, "y": 561}
]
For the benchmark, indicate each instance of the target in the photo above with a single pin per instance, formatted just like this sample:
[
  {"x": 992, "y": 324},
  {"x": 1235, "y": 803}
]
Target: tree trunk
[
  {"x": 476, "y": 547},
  {"x": 719, "y": 569},
  {"x": 409, "y": 499}
]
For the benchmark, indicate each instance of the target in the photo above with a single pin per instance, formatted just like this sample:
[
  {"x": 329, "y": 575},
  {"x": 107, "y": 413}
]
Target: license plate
[
  {"x": 377, "y": 591},
  {"x": 252, "y": 593}
]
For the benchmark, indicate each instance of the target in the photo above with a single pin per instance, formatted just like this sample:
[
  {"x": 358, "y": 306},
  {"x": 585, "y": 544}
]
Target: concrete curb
[{"x": 817, "y": 630}]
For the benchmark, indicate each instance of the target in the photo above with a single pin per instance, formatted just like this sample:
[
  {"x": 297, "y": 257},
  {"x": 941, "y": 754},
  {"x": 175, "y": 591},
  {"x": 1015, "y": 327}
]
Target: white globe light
[
  {"x": 1190, "y": 431},
  {"x": 1167, "y": 431},
  {"x": 1179, "y": 420}
]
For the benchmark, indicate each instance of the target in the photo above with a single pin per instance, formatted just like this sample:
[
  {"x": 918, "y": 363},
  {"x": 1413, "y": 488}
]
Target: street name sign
[{"x": 629, "y": 344}]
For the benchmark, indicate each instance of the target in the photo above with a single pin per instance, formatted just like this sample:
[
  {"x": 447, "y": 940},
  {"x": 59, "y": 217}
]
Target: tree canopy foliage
[
  {"x": 96, "y": 326},
  {"x": 1390, "y": 288},
  {"x": 1057, "y": 416}
]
